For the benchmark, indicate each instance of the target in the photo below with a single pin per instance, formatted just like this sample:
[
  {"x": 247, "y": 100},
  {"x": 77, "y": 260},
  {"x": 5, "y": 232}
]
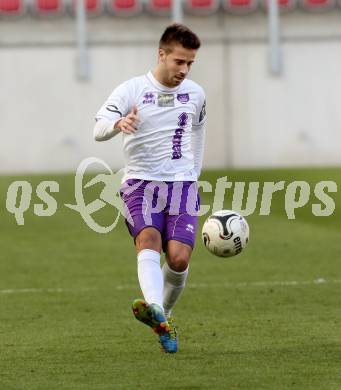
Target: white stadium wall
[{"x": 255, "y": 119}]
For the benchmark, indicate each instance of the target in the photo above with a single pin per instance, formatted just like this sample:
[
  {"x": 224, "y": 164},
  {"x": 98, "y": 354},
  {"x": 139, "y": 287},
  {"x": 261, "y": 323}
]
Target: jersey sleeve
[
  {"x": 198, "y": 141},
  {"x": 118, "y": 103},
  {"x": 200, "y": 115}
]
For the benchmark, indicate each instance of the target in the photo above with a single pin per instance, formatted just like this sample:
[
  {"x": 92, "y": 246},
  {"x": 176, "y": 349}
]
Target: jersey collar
[{"x": 160, "y": 86}]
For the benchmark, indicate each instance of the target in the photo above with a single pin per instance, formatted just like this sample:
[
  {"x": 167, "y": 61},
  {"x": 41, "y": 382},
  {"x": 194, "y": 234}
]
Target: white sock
[
  {"x": 174, "y": 283},
  {"x": 150, "y": 276}
]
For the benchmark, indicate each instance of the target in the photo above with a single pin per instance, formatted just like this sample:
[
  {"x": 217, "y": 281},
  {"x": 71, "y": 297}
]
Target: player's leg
[
  {"x": 180, "y": 237},
  {"x": 175, "y": 272},
  {"x": 150, "y": 311},
  {"x": 147, "y": 238},
  {"x": 148, "y": 246}
]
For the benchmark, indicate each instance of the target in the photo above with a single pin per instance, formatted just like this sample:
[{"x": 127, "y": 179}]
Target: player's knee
[
  {"x": 149, "y": 239},
  {"x": 178, "y": 262}
]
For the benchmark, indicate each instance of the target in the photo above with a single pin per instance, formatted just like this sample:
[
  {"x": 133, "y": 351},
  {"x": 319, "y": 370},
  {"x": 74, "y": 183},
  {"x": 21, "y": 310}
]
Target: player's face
[{"x": 175, "y": 65}]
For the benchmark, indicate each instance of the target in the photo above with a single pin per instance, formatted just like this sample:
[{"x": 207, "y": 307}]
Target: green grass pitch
[{"x": 66, "y": 291}]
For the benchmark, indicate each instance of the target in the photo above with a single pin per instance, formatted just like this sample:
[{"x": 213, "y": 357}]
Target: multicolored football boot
[
  {"x": 153, "y": 316},
  {"x": 169, "y": 340}
]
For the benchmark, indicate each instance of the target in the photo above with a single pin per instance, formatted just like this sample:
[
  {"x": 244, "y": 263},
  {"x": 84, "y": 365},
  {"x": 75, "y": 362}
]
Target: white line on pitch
[
  {"x": 289, "y": 283},
  {"x": 274, "y": 283},
  {"x": 42, "y": 290}
]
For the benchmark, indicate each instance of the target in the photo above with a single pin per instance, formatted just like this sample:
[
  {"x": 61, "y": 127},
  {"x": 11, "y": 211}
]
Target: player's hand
[{"x": 129, "y": 123}]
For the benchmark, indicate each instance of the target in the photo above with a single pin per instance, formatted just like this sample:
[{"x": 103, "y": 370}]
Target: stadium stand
[
  {"x": 240, "y": 7},
  {"x": 317, "y": 5},
  {"x": 284, "y": 5},
  {"x": 159, "y": 7},
  {"x": 48, "y": 7},
  {"x": 124, "y": 8},
  {"x": 201, "y": 7},
  {"x": 92, "y": 7},
  {"x": 12, "y": 8}
]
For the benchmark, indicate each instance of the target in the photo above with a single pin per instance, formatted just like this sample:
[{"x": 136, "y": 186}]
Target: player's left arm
[
  {"x": 198, "y": 143},
  {"x": 199, "y": 133}
]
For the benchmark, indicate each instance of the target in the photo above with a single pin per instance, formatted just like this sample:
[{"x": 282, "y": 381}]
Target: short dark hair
[{"x": 177, "y": 33}]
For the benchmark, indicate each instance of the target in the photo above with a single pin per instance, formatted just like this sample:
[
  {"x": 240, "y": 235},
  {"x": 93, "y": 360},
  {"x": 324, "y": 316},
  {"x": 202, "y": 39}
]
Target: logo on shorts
[
  {"x": 183, "y": 97},
  {"x": 190, "y": 228},
  {"x": 165, "y": 100},
  {"x": 148, "y": 98}
]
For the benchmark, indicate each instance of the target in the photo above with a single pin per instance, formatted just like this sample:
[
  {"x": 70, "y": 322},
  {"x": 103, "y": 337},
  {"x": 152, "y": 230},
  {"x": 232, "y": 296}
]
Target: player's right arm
[{"x": 118, "y": 114}]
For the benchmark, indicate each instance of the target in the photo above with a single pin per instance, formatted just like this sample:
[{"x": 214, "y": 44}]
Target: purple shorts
[{"x": 169, "y": 207}]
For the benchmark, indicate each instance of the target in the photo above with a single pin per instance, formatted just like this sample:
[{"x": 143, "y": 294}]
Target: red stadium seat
[
  {"x": 124, "y": 7},
  {"x": 92, "y": 7},
  {"x": 317, "y": 5},
  {"x": 284, "y": 5},
  {"x": 48, "y": 7},
  {"x": 202, "y": 7},
  {"x": 12, "y": 7},
  {"x": 159, "y": 7},
  {"x": 240, "y": 6}
]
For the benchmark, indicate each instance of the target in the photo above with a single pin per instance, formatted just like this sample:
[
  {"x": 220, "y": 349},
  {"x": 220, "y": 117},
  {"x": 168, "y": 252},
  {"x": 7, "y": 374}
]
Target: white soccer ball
[{"x": 225, "y": 233}]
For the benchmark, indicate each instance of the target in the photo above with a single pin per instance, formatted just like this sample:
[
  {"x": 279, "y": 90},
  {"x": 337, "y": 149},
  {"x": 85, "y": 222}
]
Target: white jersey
[{"x": 161, "y": 147}]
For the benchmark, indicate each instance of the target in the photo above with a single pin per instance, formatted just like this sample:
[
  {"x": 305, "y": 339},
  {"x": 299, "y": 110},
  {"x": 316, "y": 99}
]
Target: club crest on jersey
[
  {"x": 165, "y": 100},
  {"x": 183, "y": 97},
  {"x": 148, "y": 98}
]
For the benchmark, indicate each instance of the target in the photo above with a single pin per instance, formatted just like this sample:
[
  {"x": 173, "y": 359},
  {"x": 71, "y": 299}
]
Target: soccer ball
[{"x": 225, "y": 233}]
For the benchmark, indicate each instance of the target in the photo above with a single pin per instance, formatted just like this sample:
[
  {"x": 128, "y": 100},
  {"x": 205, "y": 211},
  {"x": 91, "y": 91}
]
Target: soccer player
[{"x": 161, "y": 116}]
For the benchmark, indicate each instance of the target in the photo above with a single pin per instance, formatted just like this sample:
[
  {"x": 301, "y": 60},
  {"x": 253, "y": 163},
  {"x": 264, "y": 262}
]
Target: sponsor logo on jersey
[
  {"x": 183, "y": 97},
  {"x": 148, "y": 98},
  {"x": 165, "y": 100}
]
